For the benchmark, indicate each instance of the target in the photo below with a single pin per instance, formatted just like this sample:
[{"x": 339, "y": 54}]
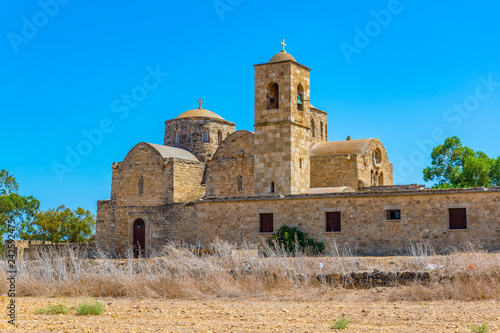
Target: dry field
[
  {"x": 368, "y": 311},
  {"x": 239, "y": 291}
]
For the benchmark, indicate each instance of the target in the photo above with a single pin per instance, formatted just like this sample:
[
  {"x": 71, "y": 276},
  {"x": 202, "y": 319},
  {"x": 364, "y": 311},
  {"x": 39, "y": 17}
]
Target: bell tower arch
[{"x": 282, "y": 126}]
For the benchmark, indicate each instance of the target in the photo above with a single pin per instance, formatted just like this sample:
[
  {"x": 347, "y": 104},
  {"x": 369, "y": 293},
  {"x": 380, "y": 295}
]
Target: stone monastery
[{"x": 208, "y": 180}]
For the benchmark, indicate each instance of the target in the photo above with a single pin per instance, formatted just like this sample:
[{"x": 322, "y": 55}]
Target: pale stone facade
[{"x": 209, "y": 180}]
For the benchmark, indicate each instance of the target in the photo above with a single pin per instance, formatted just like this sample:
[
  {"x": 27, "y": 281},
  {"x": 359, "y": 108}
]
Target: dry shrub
[
  {"x": 179, "y": 273},
  {"x": 469, "y": 275}
]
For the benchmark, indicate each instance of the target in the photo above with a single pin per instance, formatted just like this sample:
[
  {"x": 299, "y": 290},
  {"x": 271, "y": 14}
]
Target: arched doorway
[{"x": 139, "y": 238}]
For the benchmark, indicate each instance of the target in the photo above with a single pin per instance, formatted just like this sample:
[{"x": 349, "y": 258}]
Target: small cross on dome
[
  {"x": 200, "y": 103},
  {"x": 283, "y": 43}
]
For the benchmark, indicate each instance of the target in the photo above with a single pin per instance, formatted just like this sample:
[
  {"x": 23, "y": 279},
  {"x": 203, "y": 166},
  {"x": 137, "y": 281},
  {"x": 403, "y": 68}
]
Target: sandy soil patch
[{"x": 368, "y": 310}]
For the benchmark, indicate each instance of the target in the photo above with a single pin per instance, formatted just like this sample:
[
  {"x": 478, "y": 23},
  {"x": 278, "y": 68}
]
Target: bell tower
[{"x": 282, "y": 126}]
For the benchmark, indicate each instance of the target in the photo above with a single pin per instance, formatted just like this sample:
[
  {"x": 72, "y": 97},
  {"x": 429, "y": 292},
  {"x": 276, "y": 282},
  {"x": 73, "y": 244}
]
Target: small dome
[
  {"x": 202, "y": 113},
  {"x": 282, "y": 56}
]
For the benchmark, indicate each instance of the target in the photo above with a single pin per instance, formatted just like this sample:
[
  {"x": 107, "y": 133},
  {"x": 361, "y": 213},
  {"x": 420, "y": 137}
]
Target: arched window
[
  {"x": 272, "y": 187},
  {"x": 273, "y": 96},
  {"x": 240, "y": 182},
  {"x": 177, "y": 138},
  {"x": 141, "y": 185},
  {"x": 205, "y": 135},
  {"x": 321, "y": 130},
  {"x": 300, "y": 97},
  {"x": 188, "y": 136},
  {"x": 300, "y": 163},
  {"x": 313, "y": 132},
  {"x": 374, "y": 180},
  {"x": 377, "y": 156},
  {"x": 219, "y": 137}
]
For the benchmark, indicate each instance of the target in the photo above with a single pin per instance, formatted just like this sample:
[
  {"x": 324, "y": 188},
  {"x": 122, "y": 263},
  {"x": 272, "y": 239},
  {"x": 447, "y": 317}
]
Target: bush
[
  {"x": 53, "y": 309},
  {"x": 90, "y": 308},
  {"x": 479, "y": 329},
  {"x": 293, "y": 240},
  {"x": 341, "y": 324}
]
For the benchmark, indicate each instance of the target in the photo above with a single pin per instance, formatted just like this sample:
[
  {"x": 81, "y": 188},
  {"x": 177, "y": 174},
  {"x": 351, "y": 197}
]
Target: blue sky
[{"x": 407, "y": 72}]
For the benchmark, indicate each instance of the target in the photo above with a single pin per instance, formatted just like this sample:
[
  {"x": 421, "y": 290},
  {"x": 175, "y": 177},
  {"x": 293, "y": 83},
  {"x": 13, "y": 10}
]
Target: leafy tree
[
  {"x": 56, "y": 225},
  {"x": 16, "y": 208},
  {"x": 61, "y": 225},
  {"x": 454, "y": 165},
  {"x": 292, "y": 240},
  {"x": 495, "y": 172}
]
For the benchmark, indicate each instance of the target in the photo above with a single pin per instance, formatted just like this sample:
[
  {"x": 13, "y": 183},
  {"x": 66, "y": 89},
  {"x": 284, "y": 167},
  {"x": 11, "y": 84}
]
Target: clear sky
[{"x": 407, "y": 72}]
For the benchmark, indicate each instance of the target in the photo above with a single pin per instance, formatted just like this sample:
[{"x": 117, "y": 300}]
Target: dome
[
  {"x": 282, "y": 56},
  {"x": 202, "y": 113}
]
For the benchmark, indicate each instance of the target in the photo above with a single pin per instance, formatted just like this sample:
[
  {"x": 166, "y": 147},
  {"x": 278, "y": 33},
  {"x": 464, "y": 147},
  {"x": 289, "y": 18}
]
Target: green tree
[
  {"x": 495, "y": 172},
  {"x": 18, "y": 209},
  {"x": 454, "y": 165},
  {"x": 61, "y": 225}
]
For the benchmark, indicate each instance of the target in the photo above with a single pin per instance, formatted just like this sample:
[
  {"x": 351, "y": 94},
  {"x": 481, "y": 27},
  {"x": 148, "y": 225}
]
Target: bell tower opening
[
  {"x": 300, "y": 97},
  {"x": 273, "y": 96}
]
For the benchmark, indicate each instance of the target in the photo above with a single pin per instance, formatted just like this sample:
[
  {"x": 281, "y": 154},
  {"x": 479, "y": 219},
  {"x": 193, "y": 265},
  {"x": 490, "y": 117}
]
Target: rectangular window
[
  {"x": 458, "y": 218},
  {"x": 394, "y": 215},
  {"x": 266, "y": 223},
  {"x": 333, "y": 222}
]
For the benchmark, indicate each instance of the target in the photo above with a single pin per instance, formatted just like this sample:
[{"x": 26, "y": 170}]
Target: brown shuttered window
[
  {"x": 333, "y": 222},
  {"x": 266, "y": 223},
  {"x": 458, "y": 218}
]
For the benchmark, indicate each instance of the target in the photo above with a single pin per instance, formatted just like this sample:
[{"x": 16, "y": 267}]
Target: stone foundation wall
[{"x": 29, "y": 250}]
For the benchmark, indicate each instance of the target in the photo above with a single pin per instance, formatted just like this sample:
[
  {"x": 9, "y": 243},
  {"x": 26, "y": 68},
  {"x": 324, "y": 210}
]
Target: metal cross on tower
[
  {"x": 283, "y": 43},
  {"x": 200, "y": 103}
]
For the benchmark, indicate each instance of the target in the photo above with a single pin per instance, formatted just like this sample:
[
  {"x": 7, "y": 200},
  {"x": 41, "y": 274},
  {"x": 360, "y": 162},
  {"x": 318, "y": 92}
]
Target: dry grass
[{"x": 179, "y": 273}]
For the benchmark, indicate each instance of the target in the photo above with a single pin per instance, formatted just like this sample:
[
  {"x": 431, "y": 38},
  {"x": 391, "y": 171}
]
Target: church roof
[
  {"x": 282, "y": 56},
  {"x": 173, "y": 152},
  {"x": 195, "y": 113},
  {"x": 341, "y": 189},
  {"x": 340, "y": 147}
]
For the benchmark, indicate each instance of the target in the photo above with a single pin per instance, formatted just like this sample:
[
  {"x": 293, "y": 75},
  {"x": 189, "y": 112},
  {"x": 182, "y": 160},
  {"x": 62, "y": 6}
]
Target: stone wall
[
  {"x": 356, "y": 168},
  {"x": 114, "y": 226},
  {"x": 320, "y": 126},
  {"x": 204, "y": 151},
  {"x": 29, "y": 250},
  {"x": 364, "y": 224},
  {"x": 143, "y": 160},
  {"x": 367, "y": 166},
  {"x": 334, "y": 171},
  {"x": 187, "y": 177},
  {"x": 234, "y": 158}
]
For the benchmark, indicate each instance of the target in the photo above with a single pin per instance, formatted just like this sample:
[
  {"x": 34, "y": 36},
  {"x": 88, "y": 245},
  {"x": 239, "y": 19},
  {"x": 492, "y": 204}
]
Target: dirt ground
[{"x": 368, "y": 310}]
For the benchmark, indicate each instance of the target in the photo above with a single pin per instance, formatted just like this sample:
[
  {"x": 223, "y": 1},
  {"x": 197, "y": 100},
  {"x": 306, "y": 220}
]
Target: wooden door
[{"x": 139, "y": 238}]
